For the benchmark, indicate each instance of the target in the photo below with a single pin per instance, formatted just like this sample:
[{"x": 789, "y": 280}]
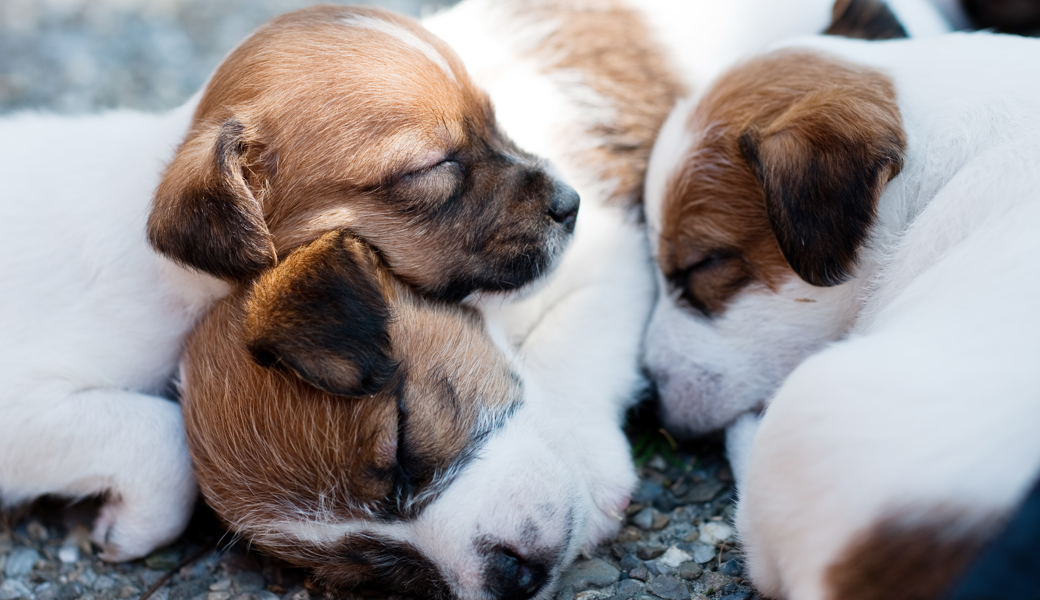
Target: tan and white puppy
[
  {"x": 326, "y": 118},
  {"x": 877, "y": 201},
  {"x": 396, "y": 444}
]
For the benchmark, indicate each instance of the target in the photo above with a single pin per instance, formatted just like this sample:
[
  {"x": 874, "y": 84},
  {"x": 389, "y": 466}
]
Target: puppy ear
[
  {"x": 823, "y": 165},
  {"x": 205, "y": 214},
  {"x": 323, "y": 313}
]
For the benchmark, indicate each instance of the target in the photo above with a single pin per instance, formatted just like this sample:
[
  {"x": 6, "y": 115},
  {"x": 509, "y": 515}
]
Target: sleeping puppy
[
  {"x": 394, "y": 442},
  {"x": 326, "y": 118},
  {"x": 878, "y": 202}
]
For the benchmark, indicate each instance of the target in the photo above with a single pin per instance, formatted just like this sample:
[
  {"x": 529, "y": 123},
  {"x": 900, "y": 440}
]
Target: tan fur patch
[
  {"x": 716, "y": 233},
  {"x": 615, "y": 52},
  {"x": 899, "y": 558}
]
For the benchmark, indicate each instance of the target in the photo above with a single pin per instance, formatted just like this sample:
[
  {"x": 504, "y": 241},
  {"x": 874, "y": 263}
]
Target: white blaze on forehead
[
  {"x": 670, "y": 150},
  {"x": 403, "y": 35}
]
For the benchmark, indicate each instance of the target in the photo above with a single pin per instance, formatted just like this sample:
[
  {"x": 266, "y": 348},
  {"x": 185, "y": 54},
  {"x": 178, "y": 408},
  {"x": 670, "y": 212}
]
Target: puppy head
[
  {"x": 760, "y": 197},
  {"x": 340, "y": 421},
  {"x": 338, "y": 117}
]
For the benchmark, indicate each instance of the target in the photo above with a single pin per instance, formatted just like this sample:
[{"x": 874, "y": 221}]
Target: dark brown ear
[
  {"x": 823, "y": 165},
  {"x": 205, "y": 215},
  {"x": 323, "y": 313},
  {"x": 865, "y": 20}
]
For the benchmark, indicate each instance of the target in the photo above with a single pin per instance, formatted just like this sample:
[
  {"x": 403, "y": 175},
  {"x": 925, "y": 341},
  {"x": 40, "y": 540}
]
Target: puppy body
[
  {"x": 883, "y": 462},
  {"x": 93, "y": 319},
  {"x": 92, "y": 324}
]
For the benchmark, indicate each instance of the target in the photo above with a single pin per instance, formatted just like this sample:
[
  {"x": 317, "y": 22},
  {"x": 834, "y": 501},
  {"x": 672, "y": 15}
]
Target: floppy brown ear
[
  {"x": 323, "y": 314},
  {"x": 865, "y": 20},
  {"x": 205, "y": 215},
  {"x": 823, "y": 165}
]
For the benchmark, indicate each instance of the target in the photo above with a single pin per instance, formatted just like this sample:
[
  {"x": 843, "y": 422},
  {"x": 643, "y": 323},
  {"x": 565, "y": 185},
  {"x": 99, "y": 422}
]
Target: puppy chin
[{"x": 555, "y": 247}]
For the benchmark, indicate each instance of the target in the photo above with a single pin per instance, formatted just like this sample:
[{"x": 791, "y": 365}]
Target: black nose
[
  {"x": 510, "y": 577},
  {"x": 563, "y": 208}
]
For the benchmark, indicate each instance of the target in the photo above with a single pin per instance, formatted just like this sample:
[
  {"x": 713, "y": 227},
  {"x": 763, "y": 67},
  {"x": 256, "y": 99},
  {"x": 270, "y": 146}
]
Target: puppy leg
[
  {"x": 739, "y": 437},
  {"x": 128, "y": 447}
]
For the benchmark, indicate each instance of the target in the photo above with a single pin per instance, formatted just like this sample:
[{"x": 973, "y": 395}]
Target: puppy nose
[
  {"x": 510, "y": 577},
  {"x": 563, "y": 208}
]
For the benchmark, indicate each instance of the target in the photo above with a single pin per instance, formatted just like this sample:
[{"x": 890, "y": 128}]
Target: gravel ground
[{"x": 82, "y": 55}]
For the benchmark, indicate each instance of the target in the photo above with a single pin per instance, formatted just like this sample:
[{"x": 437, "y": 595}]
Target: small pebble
[
  {"x": 13, "y": 588},
  {"x": 565, "y": 593},
  {"x": 37, "y": 531},
  {"x": 629, "y": 562},
  {"x": 714, "y": 532},
  {"x": 249, "y": 581},
  {"x": 738, "y": 595},
  {"x": 221, "y": 586},
  {"x": 644, "y": 519},
  {"x": 641, "y": 573},
  {"x": 630, "y": 588},
  {"x": 690, "y": 570},
  {"x": 703, "y": 492},
  {"x": 650, "y": 550},
  {"x": 21, "y": 561},
  {"x": 596, "y": 572},
  {"x": 703, "y": 553},
  {"x": 104, "y": 582},
  {"x": 163, "y": 560},
  {"x": 68, "y": 553},
  {"x": 674, "y": 557},
  {"x": 669, "y": 588},
  {"x": 218, "y": 596},
  {"x": 731, "y": 568}
]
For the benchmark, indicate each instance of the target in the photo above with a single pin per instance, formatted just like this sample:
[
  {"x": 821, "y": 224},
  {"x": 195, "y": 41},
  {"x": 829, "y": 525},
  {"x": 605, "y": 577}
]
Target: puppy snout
[
  {"x": 509, "y": 576},
  {"x": 563, "y": 208}
]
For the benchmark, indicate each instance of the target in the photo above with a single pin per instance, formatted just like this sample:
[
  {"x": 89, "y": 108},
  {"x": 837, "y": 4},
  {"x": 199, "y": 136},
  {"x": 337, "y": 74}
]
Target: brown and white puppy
[
  {"x": 392, "y": 444},
  {"x": 334, "y": 117},
  {"x": 847, "y": 233}
]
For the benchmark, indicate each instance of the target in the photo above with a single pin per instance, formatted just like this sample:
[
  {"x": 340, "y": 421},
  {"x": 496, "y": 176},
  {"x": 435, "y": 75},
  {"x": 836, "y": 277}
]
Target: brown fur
[
  {"x": 777, "y": 139},
  {"x": 899, "y": 558},
  {"x": 313, "y": 125},
  {"x": 270, "y": 447},
  {"x": 614, "y": 51}
]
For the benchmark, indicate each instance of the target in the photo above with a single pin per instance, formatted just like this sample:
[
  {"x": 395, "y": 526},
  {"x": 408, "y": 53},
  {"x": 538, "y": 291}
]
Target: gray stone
[
  {"x": 565, "y": 593},
  {"x": 13, "y": 588},
  {"x": 690, "y": 570},
  {"x": 46, "y": 591},
  {"x": 629, "y": 562},
  {"x": 738, "y": 595},
  {"x": 650, "y": 551},
  {"x": 189, "y": 589},
  {"x": 669, "y": 588},
  {"x": 21, "y": 561},
  {"x": 703, "y": 553},
  {"x": 644, "y": 519},
  {"x": 731, "y": 568},
  {"x": 163, "y": 560},
  {"x": 703, "y": 492},
  {"x": 249, "y": 581},
  {"x": 68, "y": 553},
  {"x": 629, "y": 588},
  {"x": 641, "y": 573},
  {"x": 105, "y": 582},
  {"x": 595, "y": 573}
]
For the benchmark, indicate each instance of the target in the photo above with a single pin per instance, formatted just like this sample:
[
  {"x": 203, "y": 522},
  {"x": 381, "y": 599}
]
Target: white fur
[
  {"x": 92, "y": 323},
  {"x": 930, "y": 401}
]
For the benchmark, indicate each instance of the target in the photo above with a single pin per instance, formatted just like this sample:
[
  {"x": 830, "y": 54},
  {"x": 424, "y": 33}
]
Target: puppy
[
  {"x": 395, "y": 443},
  {"x": 326, "y": 118},
  {"x": 876, "y": 201}
]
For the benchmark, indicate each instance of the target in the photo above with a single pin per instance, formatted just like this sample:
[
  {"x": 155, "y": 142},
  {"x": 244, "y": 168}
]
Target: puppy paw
[{"x": 131, "y": 526}]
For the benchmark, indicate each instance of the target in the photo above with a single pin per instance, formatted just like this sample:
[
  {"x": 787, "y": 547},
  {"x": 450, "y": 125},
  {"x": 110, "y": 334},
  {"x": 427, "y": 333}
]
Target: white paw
[{"x": 130, "y": 526}]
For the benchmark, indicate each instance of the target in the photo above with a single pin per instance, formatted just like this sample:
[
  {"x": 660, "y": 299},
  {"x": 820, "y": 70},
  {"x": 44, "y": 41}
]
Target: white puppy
[{"x": 885, "y": 195}]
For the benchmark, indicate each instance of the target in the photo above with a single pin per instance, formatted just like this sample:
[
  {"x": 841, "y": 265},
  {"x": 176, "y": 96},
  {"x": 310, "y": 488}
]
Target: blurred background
[{"x": 75, "y": 56}]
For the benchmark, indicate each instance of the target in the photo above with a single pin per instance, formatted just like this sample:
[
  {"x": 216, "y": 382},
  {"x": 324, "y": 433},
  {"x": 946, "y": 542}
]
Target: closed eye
[
  {"x": 710, "y": 282},
  {"x": 432, "y": 185}
]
